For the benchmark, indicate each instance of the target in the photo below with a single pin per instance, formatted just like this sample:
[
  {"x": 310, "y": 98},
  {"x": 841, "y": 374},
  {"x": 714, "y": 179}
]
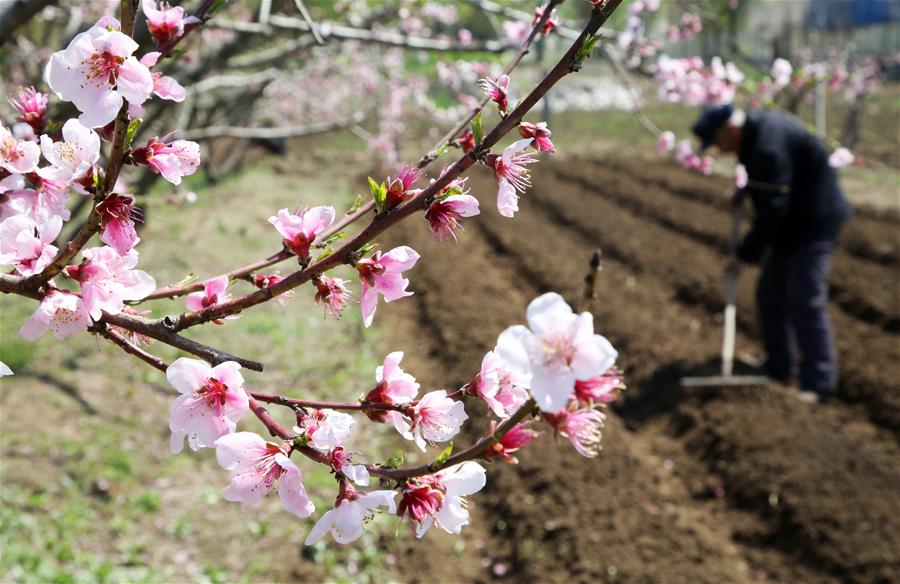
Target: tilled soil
[{"x": 714, "y": 485}]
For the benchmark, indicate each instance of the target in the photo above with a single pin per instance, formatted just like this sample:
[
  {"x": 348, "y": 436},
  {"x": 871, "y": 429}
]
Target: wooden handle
[{"x": 730, "y": 298}]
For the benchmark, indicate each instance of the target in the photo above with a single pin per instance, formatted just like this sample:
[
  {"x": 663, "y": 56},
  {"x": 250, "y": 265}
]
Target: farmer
[{"x": 800, "y": 209}]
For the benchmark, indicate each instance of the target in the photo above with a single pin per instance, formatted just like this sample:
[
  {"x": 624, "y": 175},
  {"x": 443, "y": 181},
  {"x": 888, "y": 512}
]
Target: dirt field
[{"x": 737, "y": 485}]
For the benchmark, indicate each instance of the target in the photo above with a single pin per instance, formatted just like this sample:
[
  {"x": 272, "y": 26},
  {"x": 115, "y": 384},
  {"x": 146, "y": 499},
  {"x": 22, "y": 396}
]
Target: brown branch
[
  {"x": 162, "y": 331},
  {"x": 461, "y": 126},
  {"x": 236, "y": 274},
  {"x": 367, "y": 207},
  {"x": 470, "y": 453},
  {"x": 419, "y": 202},
  {"x": 131, "y": 349},
  {"x": 325, "y": 405}
]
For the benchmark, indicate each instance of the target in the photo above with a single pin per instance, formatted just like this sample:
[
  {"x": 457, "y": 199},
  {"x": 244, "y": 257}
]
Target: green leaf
[
  {"x": 187, "y": 279},
  {"x": 132, "y": 130},
  {"x": 367, "y": 249},
  {"x": 332, "y": 238},
  {"x": 587, "y": 46},
  {"x": 325, "y": 254},
  {"x": 478, "y": 129},
  {"x": 379, "y": 193},
  {"x": 357, "y": 203},
  {"x": 394, "y": 461},
  {"x": 442, "y": 149},
  {"x": 217, "y": 5},
  {"x": 443, "y": 456}
]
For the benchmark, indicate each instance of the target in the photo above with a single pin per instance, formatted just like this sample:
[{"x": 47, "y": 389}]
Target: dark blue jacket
[{"x": 794, "y": 190}]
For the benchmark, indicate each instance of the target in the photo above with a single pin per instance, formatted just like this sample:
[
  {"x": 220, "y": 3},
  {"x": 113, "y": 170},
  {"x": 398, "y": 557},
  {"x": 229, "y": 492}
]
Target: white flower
[
  {"x": 75, "y": 155},
  {"x": 345, "y": 522},
  {"x": 559, "y": 348},
  {"x": 96, "y": 72},
  {"x": 326, "y": 429},
  {"x": 452, "y": 514},
  {"x": 436, "y": 418}
]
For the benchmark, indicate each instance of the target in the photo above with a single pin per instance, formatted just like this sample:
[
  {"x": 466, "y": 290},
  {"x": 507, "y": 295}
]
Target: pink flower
[
  {"x": 326, "y": 429},
  {"x": 166, "y": 24},
  {"x": 51, "y": 195},
  {"x": 17, "y": 156},
  {"x": 541, "y": 135},
  {"x": 516, "y": 32},
  {"x": 498, "y": 386},
  {"x": 582, "y": 427},
  {"x": 782, "y": 71},
  {"x": 214, "y": 292},
  {"x": 511, "y": 174},
  {"x": 840, "y": 158},
  {"x": 27, "y": 244},
  {"x": 300, "y": 231},
  {"x": 465, "y": 37},
  {"x": 117, "y": 216},
  {"x": 496, "y": 89},
  {"x": 740, "y": 176},
  {"x": 445, "y": 214},
  {"x": 60, "y": 311},
  {"x": 31, "y": 106},
  {"x": 96, "y": 72},
  {"x": 435, "y": 418},
  {"x": 441, "y": 498},
  {"x": 467, "y": 141},
  {"x": 257, "y": 467},
  {"x": 353, "y": 510},
  {"x": 558, "y": 348},
  {"x": 552, "y": 21},
  {"x": 332, "y": 293},
  {"x": 108, "y": 279},
  {"x": 384, "y": 273},
  {"x": 519, "y": 436},
  {"x": 666, "y": 142},
  {"x": 398, "y": 189},
  {"x": 74, "y": 157},
  {"x": 268, "y": 280},
  {"x": 172, "y": 160},
  {"x": 394, "y": 385},
  {"x": 163, "y": 86},
  {"x": 706, "y": 165},
  {"x": 211, "y": 403},
  {"x": 341, "y": 463},
  {"x": 683, "y": 151},
  {"x": 600, "y": 389}
]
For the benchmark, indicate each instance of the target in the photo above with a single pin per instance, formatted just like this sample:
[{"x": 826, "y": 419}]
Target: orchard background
[{"x": 742, "y": 485}]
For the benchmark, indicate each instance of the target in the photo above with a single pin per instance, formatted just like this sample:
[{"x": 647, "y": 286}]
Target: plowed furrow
[
  {"x": 803, "y": 525},
  {"x": 869, "y": 236},
  {"x": 851, "y": 278},
  {"x": 693, "y": 270}
]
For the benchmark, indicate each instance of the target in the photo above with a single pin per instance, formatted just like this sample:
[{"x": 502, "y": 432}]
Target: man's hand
[{"x": 733, "y": 266}]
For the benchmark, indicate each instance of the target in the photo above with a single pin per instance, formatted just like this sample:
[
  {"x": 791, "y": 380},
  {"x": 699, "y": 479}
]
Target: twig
[
  {"x": 312, "y": 27},
  {"x": 162, "y": 331},
  {"x": 419, "y": 202},
  {"x": 366, "y": 208},
  {"x": 271, "y": 133},
  {"x": 459, "y": 127},
  {"x": 469, "y": 453},
  {"x": 590, "y": 279},
  {"x": 131, "y": 349},
  {"x": 326, "y": 405}
]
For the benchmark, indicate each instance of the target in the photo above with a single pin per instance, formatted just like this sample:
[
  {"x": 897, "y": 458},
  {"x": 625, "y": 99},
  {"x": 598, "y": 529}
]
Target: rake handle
[{"x": 731, "y": 294}]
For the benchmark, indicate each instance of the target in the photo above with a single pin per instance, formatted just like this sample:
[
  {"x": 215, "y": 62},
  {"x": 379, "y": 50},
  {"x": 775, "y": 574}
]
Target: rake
[{"x": 727, "y": 377}]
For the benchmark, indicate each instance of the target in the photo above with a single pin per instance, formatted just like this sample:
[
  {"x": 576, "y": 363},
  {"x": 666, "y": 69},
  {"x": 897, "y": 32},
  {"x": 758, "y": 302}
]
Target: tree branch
[{"x": 417, "y": 203}]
